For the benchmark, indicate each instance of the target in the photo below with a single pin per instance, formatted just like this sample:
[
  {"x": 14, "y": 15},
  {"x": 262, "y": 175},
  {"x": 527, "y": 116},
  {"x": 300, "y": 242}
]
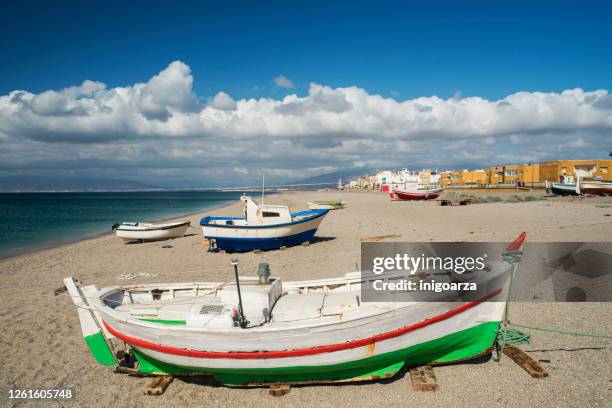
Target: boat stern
[{"x": 90, "y": 327}]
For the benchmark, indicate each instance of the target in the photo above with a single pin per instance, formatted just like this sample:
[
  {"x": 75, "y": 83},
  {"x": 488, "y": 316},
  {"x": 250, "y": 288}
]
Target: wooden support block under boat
[
  {"x": 159, "y": 385},
  {"x": 423, "y": 379},
  {"x": 525, "y": 361},
  {"x": 278, "y": 390},
  {"x": 450, "y": 203}
]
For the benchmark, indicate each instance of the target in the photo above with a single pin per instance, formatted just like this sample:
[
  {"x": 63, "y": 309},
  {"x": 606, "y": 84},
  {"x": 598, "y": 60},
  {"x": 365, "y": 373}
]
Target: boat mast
[{"x": 242, "y": 321}]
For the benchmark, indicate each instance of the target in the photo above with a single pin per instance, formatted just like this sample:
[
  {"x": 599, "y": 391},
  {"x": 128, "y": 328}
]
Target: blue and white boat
[
  {"x": 262, "y": 227},
  {"x": 567, "y": 187}
]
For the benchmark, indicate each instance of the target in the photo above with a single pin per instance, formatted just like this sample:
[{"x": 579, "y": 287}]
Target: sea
[{"x": 32, "y": 221}]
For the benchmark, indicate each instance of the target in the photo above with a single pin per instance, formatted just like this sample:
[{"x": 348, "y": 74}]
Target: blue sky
[
  {"x": 195, "y": 94},
  {"x": 406, "y": 49}
]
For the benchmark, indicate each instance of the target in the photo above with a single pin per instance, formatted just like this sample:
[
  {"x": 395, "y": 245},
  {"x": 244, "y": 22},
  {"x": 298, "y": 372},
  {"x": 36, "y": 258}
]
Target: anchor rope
[{"x": 509, "y": 335}]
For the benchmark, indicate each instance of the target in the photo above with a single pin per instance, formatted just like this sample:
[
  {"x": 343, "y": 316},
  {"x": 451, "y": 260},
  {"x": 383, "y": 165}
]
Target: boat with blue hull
[
  {"x": 566, "y": 187},
  {"x": 263, "y": 227}
]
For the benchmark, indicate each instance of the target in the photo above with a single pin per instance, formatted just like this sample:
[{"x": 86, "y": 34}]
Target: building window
[
  {"x": 603, "y": 169},
  {"x": 511, "y": 172}
]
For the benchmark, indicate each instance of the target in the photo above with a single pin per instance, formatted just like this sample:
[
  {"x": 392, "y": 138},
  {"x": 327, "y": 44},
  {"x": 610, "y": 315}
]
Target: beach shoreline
[{"x": 71, "y": 241}]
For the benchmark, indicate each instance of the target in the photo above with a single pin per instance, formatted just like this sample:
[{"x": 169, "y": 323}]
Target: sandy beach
[{"x": 43, "y": 346}]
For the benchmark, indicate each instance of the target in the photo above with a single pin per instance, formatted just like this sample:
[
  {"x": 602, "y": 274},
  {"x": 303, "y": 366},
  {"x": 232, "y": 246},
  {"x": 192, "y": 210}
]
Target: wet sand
[{"x": 43, "y": 346}]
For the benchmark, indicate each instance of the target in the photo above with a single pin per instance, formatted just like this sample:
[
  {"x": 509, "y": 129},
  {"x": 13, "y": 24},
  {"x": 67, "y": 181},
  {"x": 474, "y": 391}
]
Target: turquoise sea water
[{"x": 30, "y": 221}]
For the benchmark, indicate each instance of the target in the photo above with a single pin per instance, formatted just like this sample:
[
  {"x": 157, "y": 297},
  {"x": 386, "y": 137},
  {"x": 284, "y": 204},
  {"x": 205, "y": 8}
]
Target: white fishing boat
[
  {"x": 326, "y": 205},
  {"x": 262, "y": 227},
  {"x": 141, "y": 231},
  {"x": 595, "y": 187},
  {"x": 566, "y": 187},
  {"x": 413, "y": 190},
  {"x": 261, "y": 330}
]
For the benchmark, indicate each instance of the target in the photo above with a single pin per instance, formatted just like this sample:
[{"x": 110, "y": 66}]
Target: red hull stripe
[{"x": 247, "y": 355}]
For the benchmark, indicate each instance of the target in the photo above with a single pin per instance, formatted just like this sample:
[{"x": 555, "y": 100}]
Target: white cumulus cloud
[
  {"x": 283, "y": 82},
  {"x": 223, "y": 101},
  {"x": 158, "y": 129}
]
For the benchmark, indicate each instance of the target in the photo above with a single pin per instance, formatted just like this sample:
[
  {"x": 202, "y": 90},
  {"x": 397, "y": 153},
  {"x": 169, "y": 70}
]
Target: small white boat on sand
[
  {"x": 257, "y": 330},
  {"x": 326, "y": 205},
  {"x": 140, "y": 231}
]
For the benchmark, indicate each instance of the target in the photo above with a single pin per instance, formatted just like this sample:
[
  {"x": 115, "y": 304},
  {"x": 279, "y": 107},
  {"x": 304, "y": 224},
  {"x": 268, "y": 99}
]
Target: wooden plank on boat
[
  {"x": 525, "y": 361},
  {"x": 423, "y": 379},
  {"x": 278, "y": 390},
  {"x": 159, "y": 385},
  {"x": 380, "y": 237}
]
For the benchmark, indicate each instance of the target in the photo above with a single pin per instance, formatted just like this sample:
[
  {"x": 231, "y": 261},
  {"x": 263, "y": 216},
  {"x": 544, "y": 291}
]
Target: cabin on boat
[{"x": 264, "y": 214}]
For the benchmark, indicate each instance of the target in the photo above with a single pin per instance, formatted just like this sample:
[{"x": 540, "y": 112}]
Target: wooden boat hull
[
  {"x": 237, "y": 238},
  {"x": 453, "y": 347},
  {"x": 596, "y": 188},
  {"x": 563, "y": 189},
  {"x": 369, "y": 347},
  {"x": 313, "y": 331},
  {"x": 165, "y": 231},
  {"x": 415, "y": 195}
]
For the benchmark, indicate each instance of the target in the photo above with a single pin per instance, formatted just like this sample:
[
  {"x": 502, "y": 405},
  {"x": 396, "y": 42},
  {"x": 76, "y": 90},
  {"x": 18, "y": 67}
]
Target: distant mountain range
[
  {"x": 38, "y": 183},
  {"x": 323, "y": 179},
  {"x": 68, "y": 183}
]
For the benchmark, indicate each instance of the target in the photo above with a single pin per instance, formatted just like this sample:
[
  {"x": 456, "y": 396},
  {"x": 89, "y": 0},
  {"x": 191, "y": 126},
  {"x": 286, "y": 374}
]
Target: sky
[{"x": 216, "y": 93}]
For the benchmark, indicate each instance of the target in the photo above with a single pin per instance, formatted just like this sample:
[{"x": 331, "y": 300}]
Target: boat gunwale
[
  {"x": 157, "y": 227},
  {"x": 314, "y": 214}
]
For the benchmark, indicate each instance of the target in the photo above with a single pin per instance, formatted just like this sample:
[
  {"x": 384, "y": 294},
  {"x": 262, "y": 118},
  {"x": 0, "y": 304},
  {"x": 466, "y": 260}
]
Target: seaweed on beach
[
  {"x": 484, "y": 199},
  {"x": 534, "y": 198},
  {"x": 514, "y": 199}
]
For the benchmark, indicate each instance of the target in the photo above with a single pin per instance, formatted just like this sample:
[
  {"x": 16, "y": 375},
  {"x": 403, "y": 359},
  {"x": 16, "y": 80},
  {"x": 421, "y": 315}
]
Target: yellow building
[
  {"x": 463, "y": 177},
  {"x": 526, "y": 174},
  {"x": 553, "y": 170},
  {"x": 495, "y": 175},
  {"x": 473, "y": 177},
  {"x": 529, "y": 174}
]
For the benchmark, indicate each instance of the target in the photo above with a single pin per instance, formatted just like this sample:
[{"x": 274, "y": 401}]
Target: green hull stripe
[
  {"x": 461, "y": 345},
  {"x": 168, "y": 322},
  {"x": 100, "y": 350}
]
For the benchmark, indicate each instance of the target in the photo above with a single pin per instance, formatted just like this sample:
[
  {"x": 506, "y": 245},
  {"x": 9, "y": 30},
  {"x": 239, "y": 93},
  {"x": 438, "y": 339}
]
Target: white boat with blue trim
[
  {"x": 262, "y": 227},
  {"x": 566, "y": 187}
]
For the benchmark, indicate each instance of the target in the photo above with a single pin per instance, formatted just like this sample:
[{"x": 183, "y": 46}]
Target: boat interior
[
  {"x": 269, "y": 304},
  {"x": 216, "y": 305}
]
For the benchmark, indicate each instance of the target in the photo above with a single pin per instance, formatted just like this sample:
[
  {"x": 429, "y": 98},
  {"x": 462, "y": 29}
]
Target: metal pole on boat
[
  {"x": 263, "y": 186},
  {"x": 242, "y": 321}
]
